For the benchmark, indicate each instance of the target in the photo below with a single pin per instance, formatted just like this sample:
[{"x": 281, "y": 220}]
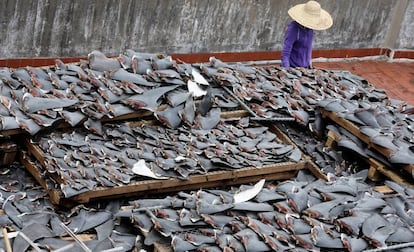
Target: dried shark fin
[
  {"x": 33, "y": 104},
  {"x": 100, "y": 62},
  {"x": 187, "y": 114},
  {"x": 209, "y": 121},
  {"x": 148, "y": 100},
  {"x": 170, "y": 116}
]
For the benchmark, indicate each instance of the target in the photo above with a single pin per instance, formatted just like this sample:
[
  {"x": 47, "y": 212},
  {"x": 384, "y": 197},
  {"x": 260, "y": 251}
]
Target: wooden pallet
[
  {"x": 354, "y": 129},
  {"x": 377, "y": 170},
  {"x": 34, "y": 161},
  {"x": 278, "y": 171}
]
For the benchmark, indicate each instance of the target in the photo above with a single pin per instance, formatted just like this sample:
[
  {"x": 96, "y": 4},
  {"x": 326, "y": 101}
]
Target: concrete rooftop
[{"x": 395, "y": 77}]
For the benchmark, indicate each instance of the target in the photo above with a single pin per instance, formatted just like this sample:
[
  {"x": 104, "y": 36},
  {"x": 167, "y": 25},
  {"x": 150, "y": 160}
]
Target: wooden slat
[
  {"x": 332, "y": 139},
  {"x": 54, "y": 195},
  {"x": 133, "y": 115},
  {"x": 281, "y": 135},
  {"x": 384, "y": 189},
  {"x": 63, "y": 125},
  {"x": 40, "y": 156},
  {"x": 82, "y": 237},
  {"x": 315, "y": 170},
  {"x": 140, "y": 114},
  {"x": 35, "y": 151},
  {"x": 234, "y": 114},
  {"x": 345, "y": 124},
  {"x": 8, "y": 151},
  {"x": 11, "y": 132},
  {"x": 218, "y": 183},
  {"x": 391, "y": 174}
]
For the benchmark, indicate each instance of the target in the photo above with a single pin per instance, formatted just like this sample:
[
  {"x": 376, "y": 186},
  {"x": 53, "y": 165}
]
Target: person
[{"x": 297, "y": 45}]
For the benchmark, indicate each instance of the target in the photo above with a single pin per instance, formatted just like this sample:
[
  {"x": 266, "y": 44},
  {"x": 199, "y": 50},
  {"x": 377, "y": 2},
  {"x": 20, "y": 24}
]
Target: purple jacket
[{"x": 297, "y": 47}]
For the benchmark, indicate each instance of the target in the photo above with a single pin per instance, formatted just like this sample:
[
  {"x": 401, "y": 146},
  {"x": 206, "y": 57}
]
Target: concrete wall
[
  {"x": 59, "y": 28},
  {"x": 406, "y": 33}
]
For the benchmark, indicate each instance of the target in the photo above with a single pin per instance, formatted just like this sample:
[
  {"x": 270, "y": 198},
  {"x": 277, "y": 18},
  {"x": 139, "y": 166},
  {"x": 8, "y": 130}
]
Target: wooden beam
[
  {"x": 54, "y": 195},
  {"x": 315, "y": 170},
  {"x": 391, "y": 174}
]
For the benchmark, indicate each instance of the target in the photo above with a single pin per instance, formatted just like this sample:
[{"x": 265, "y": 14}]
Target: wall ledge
[{"x": 234, "y": 56}]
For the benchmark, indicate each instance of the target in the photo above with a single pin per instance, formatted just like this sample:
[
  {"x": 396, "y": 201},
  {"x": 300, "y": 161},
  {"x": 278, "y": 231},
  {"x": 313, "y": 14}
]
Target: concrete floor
[{"x": 395, "y": 77}]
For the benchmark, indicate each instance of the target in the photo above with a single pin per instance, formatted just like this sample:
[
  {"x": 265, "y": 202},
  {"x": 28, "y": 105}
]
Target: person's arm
[{"x": 290, "y": 37}]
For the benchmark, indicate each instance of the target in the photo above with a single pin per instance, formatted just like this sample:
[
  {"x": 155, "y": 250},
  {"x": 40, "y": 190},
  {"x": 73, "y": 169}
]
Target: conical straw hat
[{"x": 311, "y": 15}]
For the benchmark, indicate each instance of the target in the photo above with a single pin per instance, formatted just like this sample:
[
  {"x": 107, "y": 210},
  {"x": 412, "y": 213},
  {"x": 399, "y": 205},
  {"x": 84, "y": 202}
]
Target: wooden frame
[
  {"x": 377, "y": 169},
  {"x": 212, "y": 179}
]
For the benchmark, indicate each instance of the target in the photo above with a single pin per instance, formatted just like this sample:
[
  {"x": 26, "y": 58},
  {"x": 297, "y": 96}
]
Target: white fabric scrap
[
  {"x": 195, "y": 89},
  {"x": 198, "y": 78}
]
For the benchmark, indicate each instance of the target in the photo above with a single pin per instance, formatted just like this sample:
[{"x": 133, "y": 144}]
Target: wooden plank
[
  {"x": 234, "y": 114},
  {"x": 315, "y": 170},
  {"x": 281, "y": 135},
  {"x": 82, "y": 237},
  {"x": 8, "y": 151},
  {"x": 237, "y": 114},
  {"x": 35, "y": 151},
  {"x": 408, "y": 168},
  {"x": 227, "y": 182},
  {"x": 134, "y": 115},
  {"x": 249, "y": 174},
  {"x": 62, "y": 125},
  {"x": 11, "y": 132},
  {"x": 391, "y": 174},
  {"x": 384, "y": 189},
  {"x": 345, "y": 124},
  {"x": 54, "y": 195},
  {"x": 332, "y": 139},
  {"x": 374, "y": 174}
]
